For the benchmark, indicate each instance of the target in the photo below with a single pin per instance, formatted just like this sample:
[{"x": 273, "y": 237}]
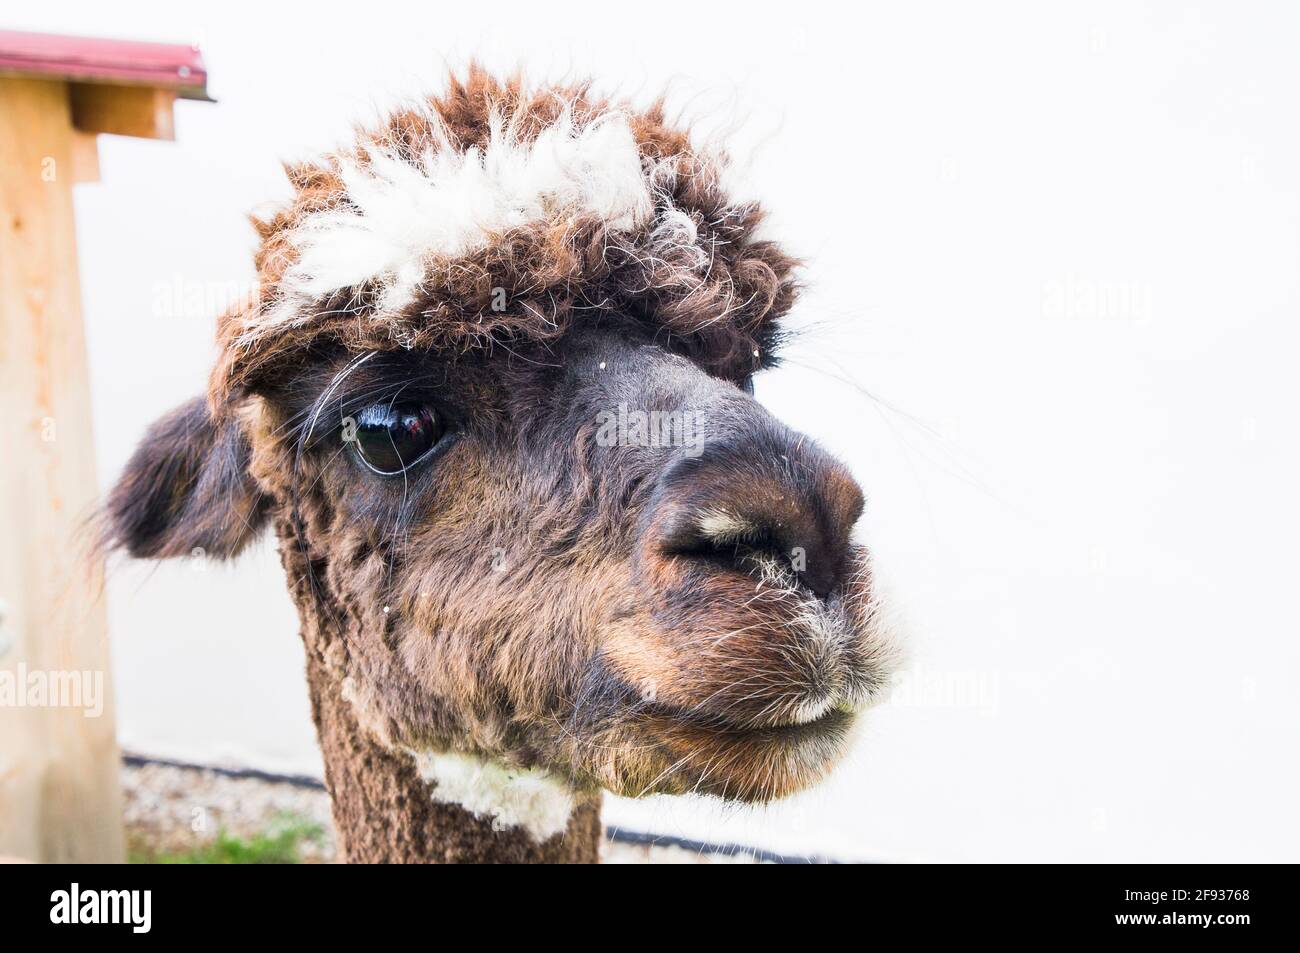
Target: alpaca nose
[{"x": 745, "y": 505}]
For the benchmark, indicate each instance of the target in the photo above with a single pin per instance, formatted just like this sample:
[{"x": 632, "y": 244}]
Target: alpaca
[{"x": 512, "y": 595}]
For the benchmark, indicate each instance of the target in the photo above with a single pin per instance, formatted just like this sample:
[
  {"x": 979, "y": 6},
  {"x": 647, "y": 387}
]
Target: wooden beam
[
  {"x": 85, "y": 157},
  {"x": 60, "y": 796},
  {"x": 141, "y": 111}
]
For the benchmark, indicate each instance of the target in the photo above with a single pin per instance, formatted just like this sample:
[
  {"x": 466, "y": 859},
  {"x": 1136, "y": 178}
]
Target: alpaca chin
[{"x": 529, "y": 798}]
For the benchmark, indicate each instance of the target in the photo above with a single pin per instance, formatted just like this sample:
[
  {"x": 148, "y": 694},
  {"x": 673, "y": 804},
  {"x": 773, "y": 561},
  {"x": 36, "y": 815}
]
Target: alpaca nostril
[
  {"x": 716, "y": 533},
  {"x": 733, "y": 539},
  {"x": 764, "y": 499}
]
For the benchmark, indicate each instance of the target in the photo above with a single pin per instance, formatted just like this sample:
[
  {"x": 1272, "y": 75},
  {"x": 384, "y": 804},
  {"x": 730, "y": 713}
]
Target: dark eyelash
[{"x": 353, "y": 388}]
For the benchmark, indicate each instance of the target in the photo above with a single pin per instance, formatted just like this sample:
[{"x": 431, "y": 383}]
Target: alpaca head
[{"x": 494, "y": 396}]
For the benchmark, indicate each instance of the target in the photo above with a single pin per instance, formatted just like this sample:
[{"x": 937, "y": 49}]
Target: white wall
[{"x": 1058, "y": 248}]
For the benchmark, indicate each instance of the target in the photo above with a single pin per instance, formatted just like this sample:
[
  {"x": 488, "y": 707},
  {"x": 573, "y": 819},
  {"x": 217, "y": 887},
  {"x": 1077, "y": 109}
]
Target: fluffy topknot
[{"x": 499, "y": 212}]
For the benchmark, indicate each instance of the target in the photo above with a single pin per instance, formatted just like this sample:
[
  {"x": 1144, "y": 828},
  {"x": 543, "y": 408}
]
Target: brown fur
[{"x": 381, "y": 810}]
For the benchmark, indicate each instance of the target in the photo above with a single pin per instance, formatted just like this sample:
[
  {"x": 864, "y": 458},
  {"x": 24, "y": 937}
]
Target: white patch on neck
[
  {"x": 530, "y": 798},
  {"x": 449, "y": 203}
]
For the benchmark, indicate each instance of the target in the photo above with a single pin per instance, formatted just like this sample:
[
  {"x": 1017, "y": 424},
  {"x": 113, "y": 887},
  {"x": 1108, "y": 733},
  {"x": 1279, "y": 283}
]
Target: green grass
[{"x": 278, "y": 844}]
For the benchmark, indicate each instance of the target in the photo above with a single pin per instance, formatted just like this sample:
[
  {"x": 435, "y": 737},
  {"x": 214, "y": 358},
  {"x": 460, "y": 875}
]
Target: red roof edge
[{"x": 173, "y": 66}]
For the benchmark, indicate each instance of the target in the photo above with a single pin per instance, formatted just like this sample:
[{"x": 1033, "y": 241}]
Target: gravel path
[{"x": 172, "y": 809}]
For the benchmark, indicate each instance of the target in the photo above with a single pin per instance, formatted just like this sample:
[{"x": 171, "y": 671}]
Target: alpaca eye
[{"x": 391, "y": 438}]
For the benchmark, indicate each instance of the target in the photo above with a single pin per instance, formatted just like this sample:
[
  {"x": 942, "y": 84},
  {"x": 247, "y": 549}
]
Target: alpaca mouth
[{"x": 831, "y": 719}]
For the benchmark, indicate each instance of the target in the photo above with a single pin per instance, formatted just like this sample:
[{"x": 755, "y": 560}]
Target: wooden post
[{"x": 60, "y": 798}]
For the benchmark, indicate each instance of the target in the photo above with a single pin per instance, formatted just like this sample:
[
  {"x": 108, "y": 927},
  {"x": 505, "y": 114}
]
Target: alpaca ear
[{"x": 186, "y": 490}]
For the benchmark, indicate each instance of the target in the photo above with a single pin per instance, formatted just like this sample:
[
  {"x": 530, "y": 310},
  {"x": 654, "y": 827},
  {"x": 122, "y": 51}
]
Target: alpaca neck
[{"x": 394, "y": 807}]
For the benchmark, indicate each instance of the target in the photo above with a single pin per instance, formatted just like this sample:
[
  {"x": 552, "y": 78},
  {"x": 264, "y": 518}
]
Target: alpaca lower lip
[{"x": 735, "y": 762}]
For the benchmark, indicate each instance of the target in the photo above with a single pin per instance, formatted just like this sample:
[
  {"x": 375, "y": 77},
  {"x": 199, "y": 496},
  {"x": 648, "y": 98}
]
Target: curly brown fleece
[{"x": 722, "y": 292}]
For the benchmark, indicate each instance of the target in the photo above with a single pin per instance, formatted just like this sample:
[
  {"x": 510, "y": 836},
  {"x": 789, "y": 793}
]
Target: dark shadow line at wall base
[{"x": 616, "y": 835}]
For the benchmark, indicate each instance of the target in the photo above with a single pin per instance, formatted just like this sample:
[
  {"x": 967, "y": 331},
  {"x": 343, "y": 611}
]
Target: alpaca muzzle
[{"x": 761, "y": 604}]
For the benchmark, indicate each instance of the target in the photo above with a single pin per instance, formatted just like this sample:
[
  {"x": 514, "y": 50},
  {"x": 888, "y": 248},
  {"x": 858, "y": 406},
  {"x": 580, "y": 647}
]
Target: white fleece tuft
[
  {"x": 530, "y": 798},
  {"x": 448, "y": 203}
]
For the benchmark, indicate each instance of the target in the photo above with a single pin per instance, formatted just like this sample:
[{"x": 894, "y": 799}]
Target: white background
[{"x": 1056, "y": 252}]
